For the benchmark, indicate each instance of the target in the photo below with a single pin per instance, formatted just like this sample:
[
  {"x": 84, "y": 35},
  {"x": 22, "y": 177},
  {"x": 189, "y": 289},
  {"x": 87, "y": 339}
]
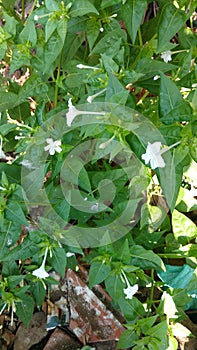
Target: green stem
[
  {"x": 151, "y": 301},
  {"x": 23, "y": 10},
  {"x": 34, "y": 4},
  {"x": 140, "y": 37},
  {"x": 57, "y": 80},
  {"x": 171, "y": 256}
]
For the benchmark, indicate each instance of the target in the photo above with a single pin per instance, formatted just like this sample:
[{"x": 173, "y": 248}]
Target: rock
[
  {"x": 26, "y": 337},
  {"x": 90, "y": 320},
  {"x": 60, "y": 340}
]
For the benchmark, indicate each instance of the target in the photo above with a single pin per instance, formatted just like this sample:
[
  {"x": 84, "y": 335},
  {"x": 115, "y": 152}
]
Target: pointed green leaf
[
  {"x": 24, "y": 309},
  {"x": 131, "y": 308},
  {"x": 107, "y": 3},
  {"x": 58, "y": 260},
  {"x": 145, "y": 258},
  {"x": 93, "y": 31},
  {"x": 132, "y": 13},
  {"x": 99, "y": 271},
  {"x": 169, "y": 97},
  {"x": 28, "y": 34},
  {"x": 15, "y": 213},
  {"x": 82, "y": 7},
  {"x": 171, "y": 20}
]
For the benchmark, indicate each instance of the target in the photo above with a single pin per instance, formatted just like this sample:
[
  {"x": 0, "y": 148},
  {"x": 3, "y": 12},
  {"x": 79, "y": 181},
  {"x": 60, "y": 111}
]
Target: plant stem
[
  {"x": 140, "y": 37},
  {"x": 57, "y": 80},
  {"x": 23, "y": 10},
  {"x": 150, "y": 301}
]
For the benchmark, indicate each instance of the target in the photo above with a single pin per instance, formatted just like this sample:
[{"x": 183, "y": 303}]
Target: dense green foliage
[{"x": 129, "y": 68}]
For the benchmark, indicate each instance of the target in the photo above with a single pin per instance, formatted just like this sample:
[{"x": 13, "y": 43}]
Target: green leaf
[
  {"x": 110, "y": 44},
  {"x": 131, "y": 309},
  {"x": 7, "y": 100},
  {"x": 182, "y": 112},
  {"x": 92, "y": 31},
  {"x": 24, "y": 250},
  {"x": 24, "y": 309},
  {"x": 171, "y": 20},
  {"x": 62, "y": 29},
  {"x": 170, "y": 96},
  {"x": 28, "y": 34},
  {"x": 114, "y": 286},
  {"x": 10, "y": 24},
  {"x": 115, "y": 91},
  {"x": 50, "y": 27},
  {"x": 81, "y": 8},
  {"x": 39, "y": 292},
  {"x": 58, "y": 260},
  {"x": 15, "y": 213},
  {"x": 184, "y": 229},
  {"x": 20, "y": 112},
  {"x": 145, "y": 258},
  {"x": 107, "y": 3},
  {"x": 3, "y": 49},
  {"x": 52, "y": 50},
  {"x": 126, "y": 339},
  {"x": 13, "y": 281},
  {"x": 146, "y": 323},
  {"x": 132, "y": 14},
  {"x": 51, "y": 5},
  {"x": 159, "y": 331},
  {"x": 99, "y": 271}
]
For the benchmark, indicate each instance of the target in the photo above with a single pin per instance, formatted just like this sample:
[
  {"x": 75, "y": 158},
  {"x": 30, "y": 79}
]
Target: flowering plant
[{"x": 98, "y": 136}]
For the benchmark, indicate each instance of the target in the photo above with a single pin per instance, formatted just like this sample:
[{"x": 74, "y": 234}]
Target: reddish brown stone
[
  {"x": 90, "y": 320},
  {"x": 60, "y": 340}
]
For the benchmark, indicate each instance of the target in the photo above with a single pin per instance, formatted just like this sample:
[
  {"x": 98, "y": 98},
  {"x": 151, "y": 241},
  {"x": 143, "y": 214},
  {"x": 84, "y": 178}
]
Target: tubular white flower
[
  {"x": 167, "y": 56},
  {"x": 73, "y": 112},
  {"x": 156, "y": 77},
  {"x": 53, "y": 146},
  {"x": 106, "y": 143},
  {"x": 130, "y": 290},
  {"x": 92, "y": 97},
  {"x": 153, "y": 154},
  {"x": 41, "y": 272},
  {"x": 69, "y": 254},
  {"x": 83, "y": 66}
]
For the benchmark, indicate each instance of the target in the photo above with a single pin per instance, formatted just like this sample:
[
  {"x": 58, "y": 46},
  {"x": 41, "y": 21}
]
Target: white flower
[
  {"x": 153, "y": 154},
  {"x": 74, "y": 112},
  {"x": 94, "y": 207},
  {"x": 101, "y": 29},
  {"x": 156, "y": 77},
  {"x": 36, "y": 18},
  {"x": 83, "y": 66},
  {"x": 167, "y": 56},
  {"x": 130, "y": 291},
  {"x": 69, "y": 254},
  {"x": 41, "y": 272},
  {"x": 92, "y": 97},
  {"x": 2, "y": 154},
  {"x": 106, "y": 143},
  {"x": 53, "y": 146}
]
